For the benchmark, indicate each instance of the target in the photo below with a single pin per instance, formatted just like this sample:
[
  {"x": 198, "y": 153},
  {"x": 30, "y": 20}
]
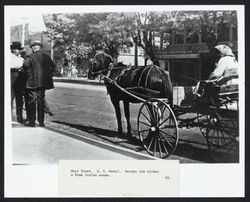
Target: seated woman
[
  {"x": 225, "y": 72},
  {"x": 226, "y": 66}
]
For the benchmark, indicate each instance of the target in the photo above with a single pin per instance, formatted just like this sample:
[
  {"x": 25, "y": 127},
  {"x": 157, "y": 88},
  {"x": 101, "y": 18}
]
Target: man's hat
[
  {"x": 36, "y": 43},
  {"x": 16, "y": 45}
]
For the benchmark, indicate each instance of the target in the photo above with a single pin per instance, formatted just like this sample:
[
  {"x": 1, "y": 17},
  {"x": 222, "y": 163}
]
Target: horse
[{"x": 145, "y": 81}]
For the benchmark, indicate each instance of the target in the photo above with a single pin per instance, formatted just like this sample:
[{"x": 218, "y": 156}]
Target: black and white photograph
[{"x": 154, "y": 83}]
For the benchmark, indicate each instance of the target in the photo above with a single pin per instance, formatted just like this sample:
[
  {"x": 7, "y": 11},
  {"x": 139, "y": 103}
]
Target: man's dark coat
[{"x": 39, "y": 67}]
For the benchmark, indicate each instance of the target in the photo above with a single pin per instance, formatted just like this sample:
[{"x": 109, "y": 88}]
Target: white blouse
[
  {"x": 225, "y": 67},
  {"x": 16, "y": 61}
]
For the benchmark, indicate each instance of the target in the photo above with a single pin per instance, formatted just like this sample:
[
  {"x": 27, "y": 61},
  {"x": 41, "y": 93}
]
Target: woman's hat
[
  {"x": 36, "y": 43},
  {"x": 224, "y": 50},
  {"x": 16, "y": 45}
]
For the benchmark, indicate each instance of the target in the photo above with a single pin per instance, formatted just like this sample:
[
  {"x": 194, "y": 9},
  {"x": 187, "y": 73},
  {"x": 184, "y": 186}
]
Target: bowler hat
[
  {"x": 16, "y": 45},
  {"x": 36, "y": 43}
]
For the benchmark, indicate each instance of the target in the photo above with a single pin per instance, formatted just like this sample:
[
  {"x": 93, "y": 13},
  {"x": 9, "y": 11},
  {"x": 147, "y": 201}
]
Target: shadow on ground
[
  {"x": 206, "y": 155},
  {"x": 107, "y": 135},
  {"x": 185, "y": 148}
]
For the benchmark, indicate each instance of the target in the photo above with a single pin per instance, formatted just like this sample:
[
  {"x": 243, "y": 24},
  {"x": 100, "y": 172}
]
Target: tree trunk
[{"x": 146, "y": 45}]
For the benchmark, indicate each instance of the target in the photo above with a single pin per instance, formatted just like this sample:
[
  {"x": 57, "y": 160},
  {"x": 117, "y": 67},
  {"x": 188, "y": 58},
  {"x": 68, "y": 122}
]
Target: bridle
[
  {"x": 99, "y": 72},
  {"x": 98, "y": 64},
  {"x": 111, "y": 67}
]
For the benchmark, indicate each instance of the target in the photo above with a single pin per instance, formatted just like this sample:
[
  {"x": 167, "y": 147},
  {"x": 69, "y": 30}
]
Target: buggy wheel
[
  {"x": 222, "y": 128},
  {"x": 157, "y": 128}
]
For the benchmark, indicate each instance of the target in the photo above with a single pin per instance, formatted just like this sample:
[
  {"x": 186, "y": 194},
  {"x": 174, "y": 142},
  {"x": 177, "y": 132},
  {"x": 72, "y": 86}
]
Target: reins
[
  {"x": 106, "y": 70},
  {"x": 192, "y": 79},
  {"x": 99, "y": 72},
  {"x": 187, "y": 77},
  {"x": 118, "y": 68}
]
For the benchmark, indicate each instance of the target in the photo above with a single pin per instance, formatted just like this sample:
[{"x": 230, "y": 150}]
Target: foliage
[
  {"x": 150, "y": 26},
  {"x": 209, "y": 24},
  {"x": 114, "y": 33},
  {"x": 146, "y": 27},
  {"x": 80, "y": 35},
  {"x": 62, "y": 29}
]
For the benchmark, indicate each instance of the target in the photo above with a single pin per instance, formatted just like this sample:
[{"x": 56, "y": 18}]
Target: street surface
[{"x": 87, "y": 110}]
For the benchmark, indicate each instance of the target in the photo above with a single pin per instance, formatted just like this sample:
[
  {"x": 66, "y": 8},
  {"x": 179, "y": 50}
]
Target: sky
[
  {"x": 35, "y": 21},
  {"x": 33, "y": 14}
]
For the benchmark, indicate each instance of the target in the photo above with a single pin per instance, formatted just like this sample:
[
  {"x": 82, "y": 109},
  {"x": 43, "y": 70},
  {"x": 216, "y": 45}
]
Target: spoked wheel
[
  {"x": 222, "y": 128},
  {"x": 157, "y": 128},
  {"x": 202, "y": 120}
]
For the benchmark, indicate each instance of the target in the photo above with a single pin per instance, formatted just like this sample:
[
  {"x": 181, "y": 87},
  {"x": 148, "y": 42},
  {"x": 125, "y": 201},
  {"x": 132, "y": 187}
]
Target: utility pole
[
  {"x": 23, "y": 30},
  {"x": 51, "y": 49},
  {"x": 23, "y": 34},
  {"x": 136, "y": 53}
]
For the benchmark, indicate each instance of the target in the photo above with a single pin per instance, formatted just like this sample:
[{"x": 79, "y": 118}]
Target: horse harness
[{"x": 142, "y": 82}]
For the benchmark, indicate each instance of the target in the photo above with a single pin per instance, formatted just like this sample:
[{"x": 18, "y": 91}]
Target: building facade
[
  {"x": 187, "y": 59},
  {"x": 22, "y": 34}
]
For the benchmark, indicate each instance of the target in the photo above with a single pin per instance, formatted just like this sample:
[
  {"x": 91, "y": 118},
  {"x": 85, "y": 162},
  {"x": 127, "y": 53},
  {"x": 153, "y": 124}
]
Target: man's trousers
[
  {"x": 35, "y": 102},
  {"x": 17, "y": 92}
]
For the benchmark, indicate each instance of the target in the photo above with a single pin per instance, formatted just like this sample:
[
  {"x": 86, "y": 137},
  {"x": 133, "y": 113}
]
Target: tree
[
  {"x": 62, "y": 29},
  {"x": 188, "y": 24},
  {"x": 119, "y": 30},
  {"x": 84, "y": 23},
  {"x": 89, "y": 31},
  {"x": 114, "y": 34},
  {"x": 146, "y": 27},
  {"x": 83, "y": 34},
  {"x": 209, "y": 24}
]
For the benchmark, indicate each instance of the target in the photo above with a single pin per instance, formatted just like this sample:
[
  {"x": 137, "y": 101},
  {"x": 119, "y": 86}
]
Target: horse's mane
[
  {"x": 119, "y": 64},
  {"x": 103, "y": 54}
]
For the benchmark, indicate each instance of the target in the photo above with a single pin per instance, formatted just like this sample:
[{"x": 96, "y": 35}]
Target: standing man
[
  {"x": 17, "y": 79},
  {"x": 38, "y": 67}
]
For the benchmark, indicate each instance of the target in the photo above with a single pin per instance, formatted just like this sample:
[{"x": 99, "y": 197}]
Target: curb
[
  {"x": 79, "y": 81},
  {"x": 120, "y": 150}
]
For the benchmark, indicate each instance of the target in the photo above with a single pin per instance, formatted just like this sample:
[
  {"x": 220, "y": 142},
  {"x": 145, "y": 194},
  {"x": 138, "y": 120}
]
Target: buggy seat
[{"x": 215, "y": 91}]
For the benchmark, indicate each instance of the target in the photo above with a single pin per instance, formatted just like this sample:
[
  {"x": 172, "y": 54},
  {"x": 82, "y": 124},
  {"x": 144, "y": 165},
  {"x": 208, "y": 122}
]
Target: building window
[
  {"x": 156, "y": 39},
  {"x": 178, "y": 38},
  {"x": 235, "y": 33},
  {"x": 166, "y": 40},
  {"x": 193, "y": 38},
  {"x": 223, "y": 32}
]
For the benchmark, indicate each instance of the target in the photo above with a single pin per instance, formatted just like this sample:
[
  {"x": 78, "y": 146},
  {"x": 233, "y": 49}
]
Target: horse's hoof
[
  {"x": 119, "y": 134},
  {"x": 130, "y": 139},
  {"x": 129, "y": 134},
  {"x": 120, "y": 130}
]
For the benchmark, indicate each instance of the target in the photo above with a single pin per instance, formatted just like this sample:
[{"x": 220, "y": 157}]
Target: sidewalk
[{"x": 44, "y": 145}]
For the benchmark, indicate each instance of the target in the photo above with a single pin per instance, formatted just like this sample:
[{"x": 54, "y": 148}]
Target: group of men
[{"x": 30, "y": 77}]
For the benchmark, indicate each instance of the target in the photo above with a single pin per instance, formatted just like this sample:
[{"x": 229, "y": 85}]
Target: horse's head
[
  {"x": 100, "y": 63},
  {"x": 95, "y": 67}
]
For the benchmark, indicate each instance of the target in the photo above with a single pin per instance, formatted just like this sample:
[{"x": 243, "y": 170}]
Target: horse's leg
[
  {"x": 127, "y": 115},
  {"x": 118, "y": 113}
]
